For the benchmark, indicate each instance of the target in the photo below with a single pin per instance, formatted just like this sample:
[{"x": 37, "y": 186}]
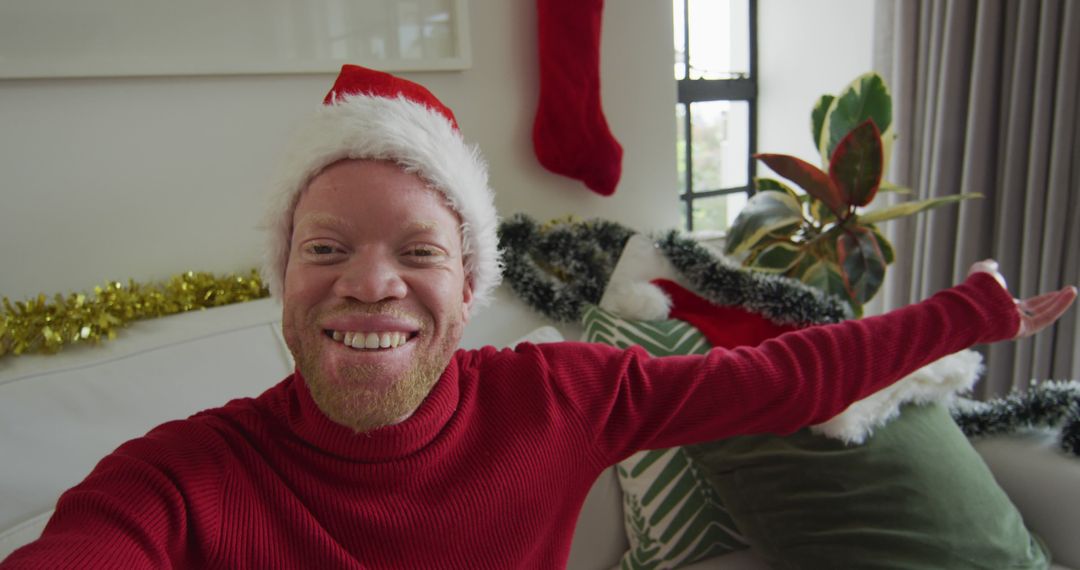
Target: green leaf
[
  {"x": 809, "y": 177},
  {"x": 855, "y": 168},
  {"x": 861, "y": 262},
  {"x": 817, "y": 117},
  {"x": 764, "y": 213},
  {"x": 774, "y": 185},
  {"x": 867, "y": 97},
  {"x": 778, "y": 257},
  {"x": 821, "y": 213},
  {"x": 890, "y": 187},
  {"x": 825, "y": 276},
  {"x": 909, "y": 208}
]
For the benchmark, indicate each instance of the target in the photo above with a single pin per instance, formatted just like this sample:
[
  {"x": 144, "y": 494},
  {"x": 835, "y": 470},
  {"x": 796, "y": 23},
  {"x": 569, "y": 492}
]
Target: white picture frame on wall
[{"x": 119, "y": 38}]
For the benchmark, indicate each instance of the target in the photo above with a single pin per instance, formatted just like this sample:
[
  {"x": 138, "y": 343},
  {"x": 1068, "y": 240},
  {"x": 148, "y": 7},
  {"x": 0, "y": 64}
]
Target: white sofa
[{"x": 59, "y": 414}]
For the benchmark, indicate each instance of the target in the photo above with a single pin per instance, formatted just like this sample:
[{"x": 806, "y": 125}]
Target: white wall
[
  {"x": 807, "y": 49},
  {"x": 145, "y": 177}
]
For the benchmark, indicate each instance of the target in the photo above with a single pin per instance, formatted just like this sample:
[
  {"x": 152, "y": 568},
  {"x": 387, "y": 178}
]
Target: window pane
[
  {"x": 680, "y": 145},
  {"x": 719, "y": 38},
  {"x": 679, "y": 20},
  {"x": 717, "y": 212},
  {"x": 720, "y": 144}
]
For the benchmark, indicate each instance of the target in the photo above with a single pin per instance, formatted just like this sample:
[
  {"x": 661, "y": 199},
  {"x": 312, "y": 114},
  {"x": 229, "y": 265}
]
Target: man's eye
[
  {"x": 424, "y": 253},
  {"x": 321, "y": 249}
]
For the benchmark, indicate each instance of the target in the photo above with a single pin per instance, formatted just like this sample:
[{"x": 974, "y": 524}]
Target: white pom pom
[{"x": 639, "y": 300}]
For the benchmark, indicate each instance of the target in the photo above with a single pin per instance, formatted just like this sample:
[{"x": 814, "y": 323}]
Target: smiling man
[
  {"x": 389, "y": 447},
  {"x": 373, "y": 310}
]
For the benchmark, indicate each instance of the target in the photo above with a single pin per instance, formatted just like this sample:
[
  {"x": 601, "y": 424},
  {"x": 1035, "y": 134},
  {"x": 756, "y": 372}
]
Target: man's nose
[{"x": 370, "y": 278}]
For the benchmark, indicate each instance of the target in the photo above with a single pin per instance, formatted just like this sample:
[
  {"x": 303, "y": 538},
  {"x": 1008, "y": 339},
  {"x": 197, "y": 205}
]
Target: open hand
[{"x": 1038, "y": 312}]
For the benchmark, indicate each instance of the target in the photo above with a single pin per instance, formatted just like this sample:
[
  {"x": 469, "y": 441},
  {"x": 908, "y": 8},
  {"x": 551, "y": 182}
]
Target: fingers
[
  {"x": 1041, "y": 311},
  {"x": 1045, "y": 300}
]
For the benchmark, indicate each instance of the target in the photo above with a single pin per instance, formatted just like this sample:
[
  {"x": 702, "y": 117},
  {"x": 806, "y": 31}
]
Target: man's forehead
[{"x": 331, "y": 220}]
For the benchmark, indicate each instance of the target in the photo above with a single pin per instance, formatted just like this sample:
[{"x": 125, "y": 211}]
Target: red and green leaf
[
  {"x": 886, "y": 247},
  {"x": 825, "y": 276},
  {"x": 855, "y": 168},
  {"x": 861, "y": 262},
  {"x": 867, "y": 97},
  {"x": 809, "y": 177}
]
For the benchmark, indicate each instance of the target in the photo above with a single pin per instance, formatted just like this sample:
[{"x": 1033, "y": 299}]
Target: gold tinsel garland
[{"x": 43, "y": 326}]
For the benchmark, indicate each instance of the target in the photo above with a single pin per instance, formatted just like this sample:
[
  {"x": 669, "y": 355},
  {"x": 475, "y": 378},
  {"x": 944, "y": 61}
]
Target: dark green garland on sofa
[
  {"x": 561, "y": 267},
  {"x": 1044, "y": 405},
  {"x": 722, "y": 281}
]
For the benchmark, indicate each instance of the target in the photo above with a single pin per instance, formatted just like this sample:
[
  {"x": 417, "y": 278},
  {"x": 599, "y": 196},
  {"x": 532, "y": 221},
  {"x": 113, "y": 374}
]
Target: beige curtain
[{"x": 986, "y": 99}]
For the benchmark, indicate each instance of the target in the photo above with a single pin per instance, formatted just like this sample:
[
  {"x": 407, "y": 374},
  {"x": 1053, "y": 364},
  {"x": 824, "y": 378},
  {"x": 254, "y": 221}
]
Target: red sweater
[{"x": 492, "y": 469}]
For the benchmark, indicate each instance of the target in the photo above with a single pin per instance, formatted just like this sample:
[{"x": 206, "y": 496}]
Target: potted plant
[{"x": 821, "y": 236}]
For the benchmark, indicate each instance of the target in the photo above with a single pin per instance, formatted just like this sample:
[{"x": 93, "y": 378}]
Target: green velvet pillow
[{"x": 916, "y": 495}]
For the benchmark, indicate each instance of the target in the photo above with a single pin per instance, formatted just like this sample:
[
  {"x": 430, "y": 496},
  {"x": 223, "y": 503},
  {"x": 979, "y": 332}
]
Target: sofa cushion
[
  {"x": 671, "y": 515},
  {"x": 916, "y": 494}
]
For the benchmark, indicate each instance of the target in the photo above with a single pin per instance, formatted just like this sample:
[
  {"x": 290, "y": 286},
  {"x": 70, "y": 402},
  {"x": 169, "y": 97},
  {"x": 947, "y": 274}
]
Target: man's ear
[{"x": 467, "y": 298}]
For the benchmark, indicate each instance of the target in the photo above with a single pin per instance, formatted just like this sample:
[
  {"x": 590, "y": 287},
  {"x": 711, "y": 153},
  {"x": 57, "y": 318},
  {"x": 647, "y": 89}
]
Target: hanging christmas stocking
[{"x": 570, "y": 134}]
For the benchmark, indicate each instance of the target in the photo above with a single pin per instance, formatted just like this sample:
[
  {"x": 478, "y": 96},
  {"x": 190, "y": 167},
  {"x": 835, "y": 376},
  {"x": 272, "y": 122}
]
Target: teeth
[{"x": 371, "y": 340}]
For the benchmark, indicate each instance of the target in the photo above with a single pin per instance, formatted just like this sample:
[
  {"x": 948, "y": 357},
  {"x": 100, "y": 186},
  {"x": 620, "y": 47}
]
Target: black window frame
[{"x": 740, "y": 88}]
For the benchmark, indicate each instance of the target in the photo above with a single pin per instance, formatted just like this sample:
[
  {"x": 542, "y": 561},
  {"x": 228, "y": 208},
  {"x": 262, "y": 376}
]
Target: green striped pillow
[{"x": 671, "y": 513}]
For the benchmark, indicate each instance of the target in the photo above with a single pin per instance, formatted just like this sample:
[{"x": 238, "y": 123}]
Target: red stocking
[
  {"x": 570, "y": 134},
  {"x": 722, "y": 326}
]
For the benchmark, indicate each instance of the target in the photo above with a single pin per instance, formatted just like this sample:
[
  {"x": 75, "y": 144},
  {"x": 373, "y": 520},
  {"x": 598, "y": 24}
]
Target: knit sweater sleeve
[
  {"x": 142, "y": 506},
  {"x": 631, "y": 401}
]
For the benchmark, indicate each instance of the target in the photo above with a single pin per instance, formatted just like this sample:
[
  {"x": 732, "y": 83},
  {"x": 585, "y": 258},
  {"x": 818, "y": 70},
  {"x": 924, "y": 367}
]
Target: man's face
[{"x": 375, "y": 294}]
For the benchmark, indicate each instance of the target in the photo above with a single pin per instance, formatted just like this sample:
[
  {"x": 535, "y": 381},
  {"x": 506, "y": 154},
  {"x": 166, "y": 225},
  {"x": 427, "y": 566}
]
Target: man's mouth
[{"x": 370, "y": 340}]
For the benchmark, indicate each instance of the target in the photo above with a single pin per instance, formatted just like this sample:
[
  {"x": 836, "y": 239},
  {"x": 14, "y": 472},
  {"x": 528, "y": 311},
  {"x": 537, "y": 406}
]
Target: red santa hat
[{"x": 373, "y": 115}]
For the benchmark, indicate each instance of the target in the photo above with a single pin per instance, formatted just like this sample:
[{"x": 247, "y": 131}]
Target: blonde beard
[
  {"x": 351, "y": 400},
  {"x": 363, "y": 409}
]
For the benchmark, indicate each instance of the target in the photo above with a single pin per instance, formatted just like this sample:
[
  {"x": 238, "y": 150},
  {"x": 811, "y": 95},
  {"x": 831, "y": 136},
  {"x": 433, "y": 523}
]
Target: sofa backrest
[{"x": 60, "y": 414}]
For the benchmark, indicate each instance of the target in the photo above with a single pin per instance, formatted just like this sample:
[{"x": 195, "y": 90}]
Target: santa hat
[{"x": 373, "y": 115}]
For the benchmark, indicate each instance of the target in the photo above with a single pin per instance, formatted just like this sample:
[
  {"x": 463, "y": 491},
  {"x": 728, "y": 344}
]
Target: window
[{"x": 716, "y": 115}]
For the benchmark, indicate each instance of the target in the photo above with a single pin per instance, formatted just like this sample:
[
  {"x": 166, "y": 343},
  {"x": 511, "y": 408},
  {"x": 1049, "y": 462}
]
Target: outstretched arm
[{"x": 796, "y": 379}]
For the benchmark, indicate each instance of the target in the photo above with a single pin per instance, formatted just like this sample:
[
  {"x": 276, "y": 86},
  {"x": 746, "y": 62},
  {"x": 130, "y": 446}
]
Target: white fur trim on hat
[{"x": 421, "y": 141}]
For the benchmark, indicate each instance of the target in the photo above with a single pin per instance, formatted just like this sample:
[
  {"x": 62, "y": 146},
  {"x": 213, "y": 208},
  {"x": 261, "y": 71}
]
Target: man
[{"x": 390, "y": 448}]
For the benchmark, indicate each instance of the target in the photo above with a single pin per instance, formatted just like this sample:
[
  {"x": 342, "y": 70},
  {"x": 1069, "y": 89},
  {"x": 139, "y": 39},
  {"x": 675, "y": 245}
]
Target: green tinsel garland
[
  {"x": 1050, "y": 404},
  {"x": 781, "y": 299},
  {"x": 559, "y": 268}
]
